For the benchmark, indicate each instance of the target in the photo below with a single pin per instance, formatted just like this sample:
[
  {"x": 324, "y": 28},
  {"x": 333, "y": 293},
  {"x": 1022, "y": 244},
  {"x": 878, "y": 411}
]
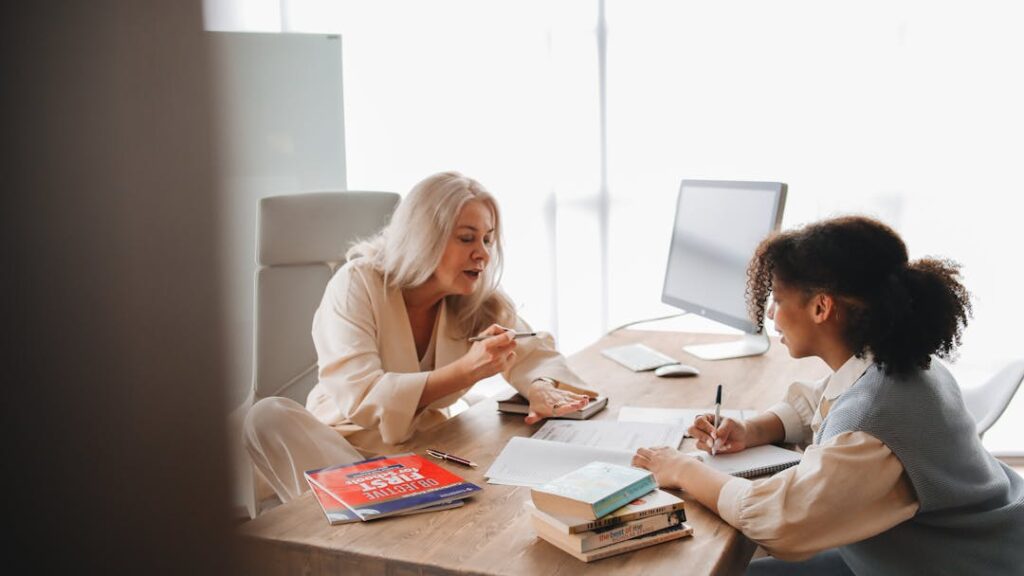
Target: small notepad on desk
[
  {"x": 756, "y": 461},
  {"x": 515, "y": 403}
]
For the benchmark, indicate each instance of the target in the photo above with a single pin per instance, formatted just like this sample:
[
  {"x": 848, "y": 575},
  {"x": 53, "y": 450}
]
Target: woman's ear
[{"x": 823, "y": 307}]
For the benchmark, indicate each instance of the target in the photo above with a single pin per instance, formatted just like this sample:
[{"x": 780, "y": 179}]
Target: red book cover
[
  {"x": 338, "y": 513},
  {"x": 391, "y": 485}
]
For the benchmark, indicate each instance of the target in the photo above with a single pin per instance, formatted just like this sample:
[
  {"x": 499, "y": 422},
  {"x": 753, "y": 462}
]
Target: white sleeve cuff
[
  {"x": 791, "y": 422},
  {"x": 729, "y": 499}
]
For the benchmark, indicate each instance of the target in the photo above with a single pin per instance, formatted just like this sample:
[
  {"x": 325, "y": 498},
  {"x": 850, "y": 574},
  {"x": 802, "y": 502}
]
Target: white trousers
[{"x": 284, "y": 440}]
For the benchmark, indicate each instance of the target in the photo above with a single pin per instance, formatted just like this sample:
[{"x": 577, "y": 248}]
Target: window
[{"x": 906, "y": 110}]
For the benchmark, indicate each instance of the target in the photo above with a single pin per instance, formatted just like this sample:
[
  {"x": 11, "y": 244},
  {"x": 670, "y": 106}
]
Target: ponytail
[{"x": 936, "y": 310}]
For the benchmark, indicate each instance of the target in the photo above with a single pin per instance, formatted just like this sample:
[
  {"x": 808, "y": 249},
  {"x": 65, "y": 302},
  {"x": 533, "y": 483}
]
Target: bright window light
[{"x": 905, "y": 110}]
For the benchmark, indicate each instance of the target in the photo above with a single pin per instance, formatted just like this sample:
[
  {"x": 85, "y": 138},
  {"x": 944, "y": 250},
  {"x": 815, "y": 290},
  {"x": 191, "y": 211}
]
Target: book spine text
[
  {"x": 615, "y": 520},
  {"x": 629, "y": 531}
]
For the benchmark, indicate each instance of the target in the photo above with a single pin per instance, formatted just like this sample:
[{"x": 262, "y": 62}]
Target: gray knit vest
[{"x": 971, "y": 519}]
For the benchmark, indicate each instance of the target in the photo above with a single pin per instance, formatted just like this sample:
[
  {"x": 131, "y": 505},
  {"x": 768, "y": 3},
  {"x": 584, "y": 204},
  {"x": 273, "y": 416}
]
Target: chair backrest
[
  {"x": 301, "y": 241},
  {"x": 988, "y": 401}
]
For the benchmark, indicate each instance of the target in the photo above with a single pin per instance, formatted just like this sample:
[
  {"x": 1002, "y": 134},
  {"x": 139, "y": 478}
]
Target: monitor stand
[{"x": 749, "y": 345}]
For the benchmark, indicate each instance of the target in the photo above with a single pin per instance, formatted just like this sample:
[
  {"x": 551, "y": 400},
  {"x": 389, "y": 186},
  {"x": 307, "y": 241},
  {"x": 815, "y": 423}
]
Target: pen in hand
[
  {"x": 718, "y": 410},
  {"x": 516, "y": 337}
]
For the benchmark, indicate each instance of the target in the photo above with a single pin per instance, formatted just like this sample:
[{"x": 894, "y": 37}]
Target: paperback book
[
  {"x": 387, "y": 486},
  {"x": 654, "y": 503},
  {"x": 551, "y": 530},
  {"x": 338, "y": 513},
  {"x": 665, "y": 535},
  {"x": 593, "y": 490}
]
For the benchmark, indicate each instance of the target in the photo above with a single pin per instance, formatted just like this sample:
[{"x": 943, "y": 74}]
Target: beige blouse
[
  {"x": 370, "y": 374},
  {"x": 843, "y": 491}
]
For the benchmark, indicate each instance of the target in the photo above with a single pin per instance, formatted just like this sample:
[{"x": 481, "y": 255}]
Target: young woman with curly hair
[{"x": 894, "y": 478}]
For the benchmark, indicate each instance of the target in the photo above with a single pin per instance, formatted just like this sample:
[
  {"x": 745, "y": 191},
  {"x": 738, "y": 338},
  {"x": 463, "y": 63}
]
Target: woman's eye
[
  {"x": 466, "y": 239},
  {"x": 488, "y": 241}
]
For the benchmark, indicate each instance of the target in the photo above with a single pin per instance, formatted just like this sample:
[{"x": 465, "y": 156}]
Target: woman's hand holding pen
[
  {"x": 492, "y": 355},
  {"x": 731, "y": 434},
  {"x": 493, "y": 351}
]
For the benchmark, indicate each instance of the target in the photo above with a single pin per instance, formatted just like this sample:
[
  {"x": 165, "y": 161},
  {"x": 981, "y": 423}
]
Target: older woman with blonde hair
[{"x": 392, "y": 335}]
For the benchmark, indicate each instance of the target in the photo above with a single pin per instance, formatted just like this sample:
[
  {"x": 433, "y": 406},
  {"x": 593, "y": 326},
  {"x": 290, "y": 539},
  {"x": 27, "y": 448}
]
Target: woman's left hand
[
  {"x": 666, "y": 463},
  {"x": 546, "y": 401}
]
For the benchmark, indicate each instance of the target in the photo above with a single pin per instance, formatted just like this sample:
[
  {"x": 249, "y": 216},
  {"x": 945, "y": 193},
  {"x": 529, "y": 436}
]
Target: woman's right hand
[
  {"x": 492, "y": 355},
  {"x": 731, "y": 434}
]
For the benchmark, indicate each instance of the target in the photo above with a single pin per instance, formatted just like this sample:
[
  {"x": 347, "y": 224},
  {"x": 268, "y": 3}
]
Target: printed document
[
  {"x": 610, "y": 434},
  {"x": 531, "y": 462},
  {"x": 677, "y": 416}
]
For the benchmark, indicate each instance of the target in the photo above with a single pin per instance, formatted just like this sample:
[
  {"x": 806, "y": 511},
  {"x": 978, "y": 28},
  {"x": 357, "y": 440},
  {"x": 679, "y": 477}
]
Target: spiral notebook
[{"x": 756, "y": 461}]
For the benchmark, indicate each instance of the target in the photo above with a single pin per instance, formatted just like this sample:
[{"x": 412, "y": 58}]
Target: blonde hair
[{"x": 410, "y": 247}]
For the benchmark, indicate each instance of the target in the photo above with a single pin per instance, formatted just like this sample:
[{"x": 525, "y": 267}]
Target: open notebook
[{"x": 756, "y": 461}]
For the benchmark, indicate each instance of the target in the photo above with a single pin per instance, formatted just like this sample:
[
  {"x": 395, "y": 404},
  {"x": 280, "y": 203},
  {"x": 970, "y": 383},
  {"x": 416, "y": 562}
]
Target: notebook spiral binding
[{"x": 765, "y": 470}]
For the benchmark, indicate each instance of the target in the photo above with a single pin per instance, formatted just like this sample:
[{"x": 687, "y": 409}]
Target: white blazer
[{"x": 369, "y": 370}]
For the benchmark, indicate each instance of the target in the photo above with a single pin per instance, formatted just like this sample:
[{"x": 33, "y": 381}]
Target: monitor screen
[{"x": 717, "y": 228}]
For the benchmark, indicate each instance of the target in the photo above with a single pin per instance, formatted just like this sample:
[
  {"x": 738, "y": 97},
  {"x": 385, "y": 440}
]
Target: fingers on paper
[{"x": 642, "y": 458}]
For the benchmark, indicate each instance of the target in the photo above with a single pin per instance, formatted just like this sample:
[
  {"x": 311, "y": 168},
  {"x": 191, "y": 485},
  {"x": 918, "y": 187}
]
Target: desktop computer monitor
[{"x": 718, "y": 226}]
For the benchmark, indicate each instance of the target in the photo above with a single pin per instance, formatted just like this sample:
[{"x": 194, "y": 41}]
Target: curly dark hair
[{"x": 901, "y": 312}]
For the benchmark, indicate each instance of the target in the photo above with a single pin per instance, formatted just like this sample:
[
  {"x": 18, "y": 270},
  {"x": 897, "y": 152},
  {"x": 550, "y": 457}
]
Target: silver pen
[
  {"x": 516, "y": 337},
  {"x": 718, "y": 410}
]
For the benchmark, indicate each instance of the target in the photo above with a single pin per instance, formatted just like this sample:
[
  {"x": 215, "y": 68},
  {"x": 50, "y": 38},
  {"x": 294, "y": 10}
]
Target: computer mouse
[{"x": 676, "y": 371}]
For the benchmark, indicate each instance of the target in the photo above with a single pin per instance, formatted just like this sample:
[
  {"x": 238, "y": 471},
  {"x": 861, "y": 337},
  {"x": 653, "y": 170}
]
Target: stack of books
[
  {"x": 386, "y": 486},
  {"x": 603, "y": 509}
]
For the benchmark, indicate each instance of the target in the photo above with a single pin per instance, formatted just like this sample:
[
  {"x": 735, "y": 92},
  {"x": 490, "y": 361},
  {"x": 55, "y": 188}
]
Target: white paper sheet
[
  {"x": 611, "y": 434},
  {"x": 677, "y": 416},
  {"x": 531, "y": 462}
]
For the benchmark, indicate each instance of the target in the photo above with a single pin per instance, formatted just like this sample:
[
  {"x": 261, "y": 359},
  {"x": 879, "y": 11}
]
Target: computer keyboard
[{"x": 638, "y": 357}]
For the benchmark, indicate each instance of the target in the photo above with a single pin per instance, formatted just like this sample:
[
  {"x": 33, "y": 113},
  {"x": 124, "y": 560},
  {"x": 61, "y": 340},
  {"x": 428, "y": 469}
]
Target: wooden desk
[{"x": 492, "y": 534}]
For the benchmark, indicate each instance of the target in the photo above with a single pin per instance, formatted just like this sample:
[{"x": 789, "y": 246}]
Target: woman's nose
[{"x": 481, "y": 253}]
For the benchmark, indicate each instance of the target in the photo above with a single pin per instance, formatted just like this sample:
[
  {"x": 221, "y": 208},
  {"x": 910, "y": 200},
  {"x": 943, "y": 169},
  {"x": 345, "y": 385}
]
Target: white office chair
[
  {"x": 987, "y": 402},
  {"x": 301, "y": 241}
]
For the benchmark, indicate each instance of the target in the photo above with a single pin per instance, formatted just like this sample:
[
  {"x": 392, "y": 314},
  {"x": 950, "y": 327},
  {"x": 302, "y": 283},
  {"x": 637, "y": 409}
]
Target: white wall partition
[{"x": 279, "y": 104}]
